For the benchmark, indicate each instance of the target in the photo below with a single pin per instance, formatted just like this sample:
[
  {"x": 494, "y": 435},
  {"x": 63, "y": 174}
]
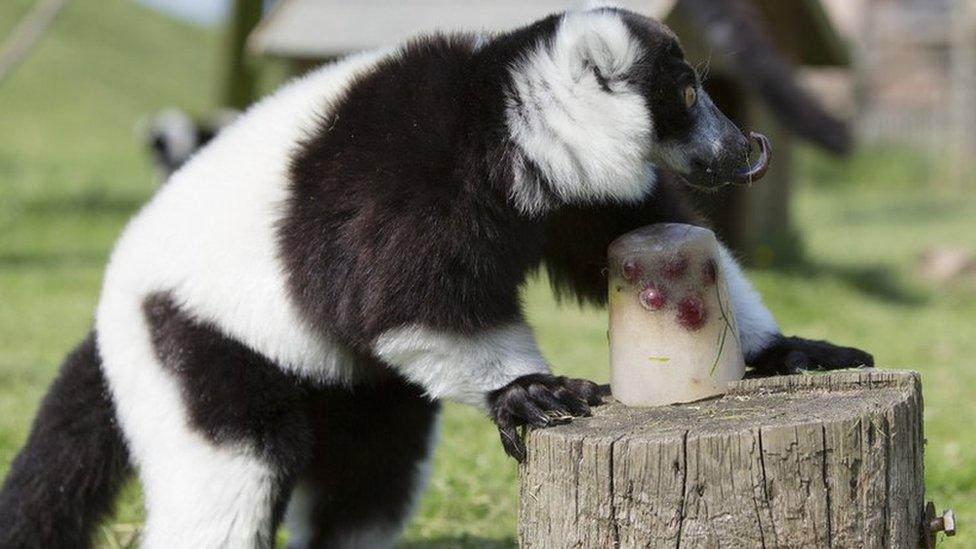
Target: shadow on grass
[
  {"x": 89, "y": 202},
  {"x": 879, "y": 282},
  {"x": 53, "y": 260},
  {"x": 459, "y": 542}
]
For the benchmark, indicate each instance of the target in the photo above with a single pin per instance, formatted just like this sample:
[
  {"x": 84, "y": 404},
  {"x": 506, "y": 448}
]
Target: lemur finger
[
  {"x": 829, "y": 356},
  {"x": 833, "y": 357},
  {"x": 576, "y": 405},
  {"x": 544, "y": 397},
  {"x": 796, "y": 362},
  {"x": 587, "y": 390},
  {"x": 507, "y": 430},
  {"x": 527, "y": 411}
]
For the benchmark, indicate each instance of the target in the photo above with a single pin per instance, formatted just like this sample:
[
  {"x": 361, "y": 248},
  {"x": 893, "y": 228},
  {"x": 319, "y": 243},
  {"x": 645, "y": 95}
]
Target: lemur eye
[{"x": 691, "y": 96}]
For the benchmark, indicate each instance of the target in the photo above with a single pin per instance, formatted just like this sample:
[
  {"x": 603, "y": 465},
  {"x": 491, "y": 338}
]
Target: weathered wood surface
[{"x": 832, "y": 460}]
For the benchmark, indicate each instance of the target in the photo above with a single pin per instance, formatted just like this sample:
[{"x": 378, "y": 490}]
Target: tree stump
[{"x": 794, "y": 461}]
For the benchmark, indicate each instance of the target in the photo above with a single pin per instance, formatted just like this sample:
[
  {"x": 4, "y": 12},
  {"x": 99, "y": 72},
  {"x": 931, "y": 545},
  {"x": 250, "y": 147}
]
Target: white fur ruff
[
  {"x": 589, "y": 144},
  {"x": 459, "y": 367}
]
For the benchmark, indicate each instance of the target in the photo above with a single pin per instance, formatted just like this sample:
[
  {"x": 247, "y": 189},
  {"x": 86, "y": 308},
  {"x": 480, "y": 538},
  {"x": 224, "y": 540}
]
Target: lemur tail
[{"x": 67, "y": 475}]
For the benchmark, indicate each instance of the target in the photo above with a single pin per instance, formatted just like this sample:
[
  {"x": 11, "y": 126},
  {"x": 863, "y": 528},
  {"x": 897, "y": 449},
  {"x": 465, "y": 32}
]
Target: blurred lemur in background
[
  {"x": 172, "y": 137},
  {"x": 278, "y": 324}
]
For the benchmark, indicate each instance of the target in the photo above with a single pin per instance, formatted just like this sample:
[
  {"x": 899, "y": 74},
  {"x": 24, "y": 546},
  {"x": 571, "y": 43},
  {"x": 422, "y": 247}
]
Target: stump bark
[{"x": 794, "y": 461}]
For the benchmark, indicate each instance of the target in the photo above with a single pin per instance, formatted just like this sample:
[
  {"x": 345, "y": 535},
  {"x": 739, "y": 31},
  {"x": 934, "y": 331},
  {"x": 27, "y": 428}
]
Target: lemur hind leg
[
  {"x": 221, "y": 434},
  {"x": 371, "y": 452}
]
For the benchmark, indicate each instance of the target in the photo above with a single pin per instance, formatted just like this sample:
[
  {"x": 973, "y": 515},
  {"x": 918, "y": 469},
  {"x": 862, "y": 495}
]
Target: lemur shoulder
[{"x": 278, "y": 323}]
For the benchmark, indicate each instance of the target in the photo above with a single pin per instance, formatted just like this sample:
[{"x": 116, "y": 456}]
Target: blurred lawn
[{"x": 71, "y": 173}]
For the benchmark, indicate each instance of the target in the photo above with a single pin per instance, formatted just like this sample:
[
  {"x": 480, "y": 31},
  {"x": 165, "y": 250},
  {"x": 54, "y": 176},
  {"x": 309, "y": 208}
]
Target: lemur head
[{"x": 600, "y": 98}]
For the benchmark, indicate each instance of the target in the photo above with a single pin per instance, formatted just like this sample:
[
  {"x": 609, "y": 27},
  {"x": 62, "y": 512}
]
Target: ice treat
[{"x": 673, "y": 337}]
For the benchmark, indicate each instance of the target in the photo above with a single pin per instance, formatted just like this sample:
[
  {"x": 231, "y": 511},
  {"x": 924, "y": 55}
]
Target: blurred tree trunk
[
  {"x": 725, "y": 207},
  {"x": 27, "y": 34},
  {"x": 240, "y": 78},
  {"x": 754, "y": 221}
]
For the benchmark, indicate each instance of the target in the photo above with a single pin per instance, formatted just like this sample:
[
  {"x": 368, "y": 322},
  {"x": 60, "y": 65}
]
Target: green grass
[{"x": 71, "y": 174}]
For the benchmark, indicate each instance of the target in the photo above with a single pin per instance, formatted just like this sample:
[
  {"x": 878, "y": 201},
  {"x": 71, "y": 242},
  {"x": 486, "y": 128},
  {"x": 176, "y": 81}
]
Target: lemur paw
[
  {"x": 540, "y": 400},
  {"x": 791, "y": 355}
]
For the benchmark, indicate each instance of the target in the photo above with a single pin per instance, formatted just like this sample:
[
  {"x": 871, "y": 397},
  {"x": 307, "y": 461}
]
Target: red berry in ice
[
  {"x": 675, "y": 266},
  {"x": 653, "y": 297},
  {"x": 709, "y": 271},
  {"x": 631, "y": 270},
  {"x": 691, "y": 312}
]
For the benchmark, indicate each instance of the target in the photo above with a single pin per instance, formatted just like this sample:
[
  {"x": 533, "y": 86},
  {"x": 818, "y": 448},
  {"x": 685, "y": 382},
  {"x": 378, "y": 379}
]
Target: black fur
[
  {"x": 232, "y": 394},
  {"x": 398, "y": 214},
  {"x": 400, "y": 206},
  {"x": 663, "y": 61},
  {"x": 369, "y": 442},
  {"x": 577, "y": 237},
  {"x": 65, "y": 478}
]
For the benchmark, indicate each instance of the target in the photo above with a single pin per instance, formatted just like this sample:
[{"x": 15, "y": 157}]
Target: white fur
[
  {"x": 459, "y": 367},
  {"x": 757, "y": 326},
  {"x": 208, "y": 237},
  {"x": 590, "y": 144}
]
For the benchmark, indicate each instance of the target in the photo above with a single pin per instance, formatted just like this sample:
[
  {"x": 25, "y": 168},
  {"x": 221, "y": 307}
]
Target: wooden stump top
[{"x": 806, "y": 460}]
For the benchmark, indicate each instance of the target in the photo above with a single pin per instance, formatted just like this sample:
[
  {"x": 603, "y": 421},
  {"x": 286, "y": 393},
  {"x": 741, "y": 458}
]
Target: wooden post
[
  {"x": 239, "y": 85},
  {"x": 792, "y": 461}
]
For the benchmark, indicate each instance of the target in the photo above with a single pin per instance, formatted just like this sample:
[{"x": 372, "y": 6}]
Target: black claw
[{"x": 512, "y": 443}]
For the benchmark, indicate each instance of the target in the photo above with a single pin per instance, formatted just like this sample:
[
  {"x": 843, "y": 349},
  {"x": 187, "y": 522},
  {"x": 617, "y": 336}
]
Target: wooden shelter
[
  {"x": 749, "y": 48},
  {"x": 917, "y": 72}
]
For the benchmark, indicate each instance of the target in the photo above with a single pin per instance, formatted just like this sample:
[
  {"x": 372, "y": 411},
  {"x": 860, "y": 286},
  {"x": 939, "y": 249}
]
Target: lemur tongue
[{"x": 755, "y": 173}]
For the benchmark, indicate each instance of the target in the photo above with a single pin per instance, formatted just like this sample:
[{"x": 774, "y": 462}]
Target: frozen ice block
[{"x": 673, "y": 337}]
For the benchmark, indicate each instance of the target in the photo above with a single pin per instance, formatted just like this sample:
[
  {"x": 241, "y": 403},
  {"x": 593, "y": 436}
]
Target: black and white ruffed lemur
[{"x": 278, "y": 324}]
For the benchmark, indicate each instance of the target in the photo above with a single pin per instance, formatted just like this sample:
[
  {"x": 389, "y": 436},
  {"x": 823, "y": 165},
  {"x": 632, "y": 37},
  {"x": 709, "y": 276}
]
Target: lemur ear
[{"x": 595, "y": 40}]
